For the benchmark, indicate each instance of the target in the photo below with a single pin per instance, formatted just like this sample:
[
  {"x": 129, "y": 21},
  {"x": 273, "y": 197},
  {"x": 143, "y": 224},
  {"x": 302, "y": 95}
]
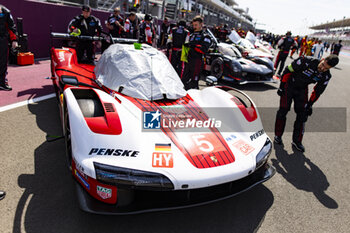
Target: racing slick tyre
[
  {"x": 217, "y": 67},
  {"x": 67, "y": 136}
]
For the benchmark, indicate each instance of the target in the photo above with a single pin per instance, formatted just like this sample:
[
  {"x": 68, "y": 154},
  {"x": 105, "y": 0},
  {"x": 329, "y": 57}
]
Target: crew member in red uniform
[
  {"x": 222, "y": 33},
  {"x": 85, "y": 25},
  {"x": 303, "y": 46},
  {"x": 199, "y": 44},
  {"x": 284, "y": 44},
  {"x": 294, "y": 86},
  {"x": 130, "y": 26},
  {"x": 7, "y": 31},
  {"x": 178, "y": 36},
  {"x": 147, "y": 31}
]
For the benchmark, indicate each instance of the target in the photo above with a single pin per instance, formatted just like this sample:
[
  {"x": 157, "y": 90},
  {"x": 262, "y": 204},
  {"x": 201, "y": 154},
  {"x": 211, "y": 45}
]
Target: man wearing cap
[
  {"x": 147, "y": 31},
  {"x": 178, "y": 36},
  {"x": 85, "y": 25},
  {"x": 284, "y": 44},
  {"x": 294, "y": 86},
  {"x": 115, "y": 23},
  {"x": 130, "y": 26},
  {"x": 199, "y": 43},
  {"x": 7, "y": 31}
]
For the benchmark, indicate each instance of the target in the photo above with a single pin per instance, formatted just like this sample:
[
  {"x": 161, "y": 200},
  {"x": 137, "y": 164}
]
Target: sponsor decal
[
  {"x": 257, "y": 134},
  {"x": 155, "y": 120},
  {"x": 87, "y": 185},
  {"x": 244, "y": 147},
  {"x": 114, "y": 152},
  {"x": 214, "y": 159},
  {"x": 162, "y": 159},
  {"x": 162, "y": 147},
  {"x": 151, "y": 120},
  {"x": 104, "y": 193},
  {"x": 230, "y": 138}
]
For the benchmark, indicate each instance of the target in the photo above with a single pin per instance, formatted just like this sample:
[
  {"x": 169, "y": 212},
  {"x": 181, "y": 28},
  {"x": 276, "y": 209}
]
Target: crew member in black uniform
[
  {"x": 294, "y": 86},
  {"x": 7, "y": 31},
  {"x": 115, "y": 23},
  {"x": 199, "y": 44},
  {"x": 164, "y": 33},
  {"x": 85, "y": 25},
  {"x": 284, "y": 44},
  {"x": 222, "y": 33},
  {"x": 178, "y": 36}
]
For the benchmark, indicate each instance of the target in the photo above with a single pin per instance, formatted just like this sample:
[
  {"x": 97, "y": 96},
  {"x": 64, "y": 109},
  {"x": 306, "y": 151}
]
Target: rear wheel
[{"x": 217, "y": 68}]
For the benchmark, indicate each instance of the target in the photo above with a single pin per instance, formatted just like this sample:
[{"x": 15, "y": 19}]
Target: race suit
[
  {"x": 177, "y": 37},
  {"x": 90, "y": 26},
  {"x": 147, "y": 33},
  {"x": 130, "y": 29},
  {"x": 7, "y": 31},
  {"x": 113, "y": 20},
  {"x": 294, "y": 86},
  {"x": 199, "y": 44},
  {"x": 285, "y": 44}
]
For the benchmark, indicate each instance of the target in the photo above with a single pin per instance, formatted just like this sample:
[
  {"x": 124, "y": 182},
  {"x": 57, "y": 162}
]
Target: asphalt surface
[{"x": 309, "y": 193}]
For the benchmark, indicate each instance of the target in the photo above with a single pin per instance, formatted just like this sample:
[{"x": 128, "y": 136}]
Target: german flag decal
[{"x": 162, "y": 147}]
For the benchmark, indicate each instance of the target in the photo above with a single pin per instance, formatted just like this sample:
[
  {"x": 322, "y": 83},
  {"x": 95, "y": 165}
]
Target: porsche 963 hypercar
[{"x": 136, "y": 141}]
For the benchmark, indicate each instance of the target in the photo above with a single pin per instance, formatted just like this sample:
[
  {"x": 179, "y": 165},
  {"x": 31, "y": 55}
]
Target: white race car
[{"x": 137, "y": 141}]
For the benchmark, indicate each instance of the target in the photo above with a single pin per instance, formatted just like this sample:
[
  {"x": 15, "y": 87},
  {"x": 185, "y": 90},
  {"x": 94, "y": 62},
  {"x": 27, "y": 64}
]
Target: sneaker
[
  {"x": 2, "y": 195},
  {"x": 278, "y": 140},
  {"x": 5, "y": 87},
  {"x": 298, "y": 146}
]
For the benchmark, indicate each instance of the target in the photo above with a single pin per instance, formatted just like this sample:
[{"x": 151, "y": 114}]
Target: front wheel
[{"x": 217, "y": 68}]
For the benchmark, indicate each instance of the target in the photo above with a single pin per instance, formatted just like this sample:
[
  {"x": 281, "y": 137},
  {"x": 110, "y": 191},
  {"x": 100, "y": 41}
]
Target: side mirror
[
  {"x": 70, "y": 80},
  {"x": 211, "y": 80}
]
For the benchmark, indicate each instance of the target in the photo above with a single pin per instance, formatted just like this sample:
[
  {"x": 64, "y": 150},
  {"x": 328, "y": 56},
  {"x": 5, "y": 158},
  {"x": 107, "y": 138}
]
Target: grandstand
[{"x": 333, "y": 31}]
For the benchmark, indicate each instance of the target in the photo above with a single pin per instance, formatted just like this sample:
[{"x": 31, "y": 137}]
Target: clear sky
[{"x": 280, "y": 16}]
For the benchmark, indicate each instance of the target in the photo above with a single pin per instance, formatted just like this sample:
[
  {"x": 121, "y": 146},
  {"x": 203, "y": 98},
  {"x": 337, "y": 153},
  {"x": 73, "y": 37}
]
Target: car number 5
[{"x": 203, "y": 145}]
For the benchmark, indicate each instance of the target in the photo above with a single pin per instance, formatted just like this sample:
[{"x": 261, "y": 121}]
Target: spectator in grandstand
[
  {"x": 85, "y": 25},
  {"x": 337, "y": 48},
  {"x": 284, "y": 44},
  {"x": 317, "y": 49},
  {"x": 130, "y": 26},
  {"x": 294, "y": 87},
  {"x": 7, "y": 34}
]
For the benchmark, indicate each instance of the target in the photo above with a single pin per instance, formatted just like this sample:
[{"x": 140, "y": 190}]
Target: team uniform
[
  {"x": 199, "y": 43},
  {"x": 177, "y": 37},
  {"x": 130, "y": 29},
  {"x": 7, "y": 31},
  {"x": 294, "y": 86},
  {"x": 285, "y": 44},
  {"x": 147, "y": 33},
  {"x": 117, "y": 31},
  {"x": 90, "y": 26}
]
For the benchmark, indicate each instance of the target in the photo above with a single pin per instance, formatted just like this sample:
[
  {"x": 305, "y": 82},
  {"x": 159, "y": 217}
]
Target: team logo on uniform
[
  {"x": 151, "y": 120},
  {"x": 104, "y": 193}
]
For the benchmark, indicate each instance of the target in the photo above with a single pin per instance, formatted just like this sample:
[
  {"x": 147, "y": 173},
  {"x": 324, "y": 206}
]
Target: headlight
[
  {"x": 264, "y": 153},
  {"x": 132, "y": 178}
]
